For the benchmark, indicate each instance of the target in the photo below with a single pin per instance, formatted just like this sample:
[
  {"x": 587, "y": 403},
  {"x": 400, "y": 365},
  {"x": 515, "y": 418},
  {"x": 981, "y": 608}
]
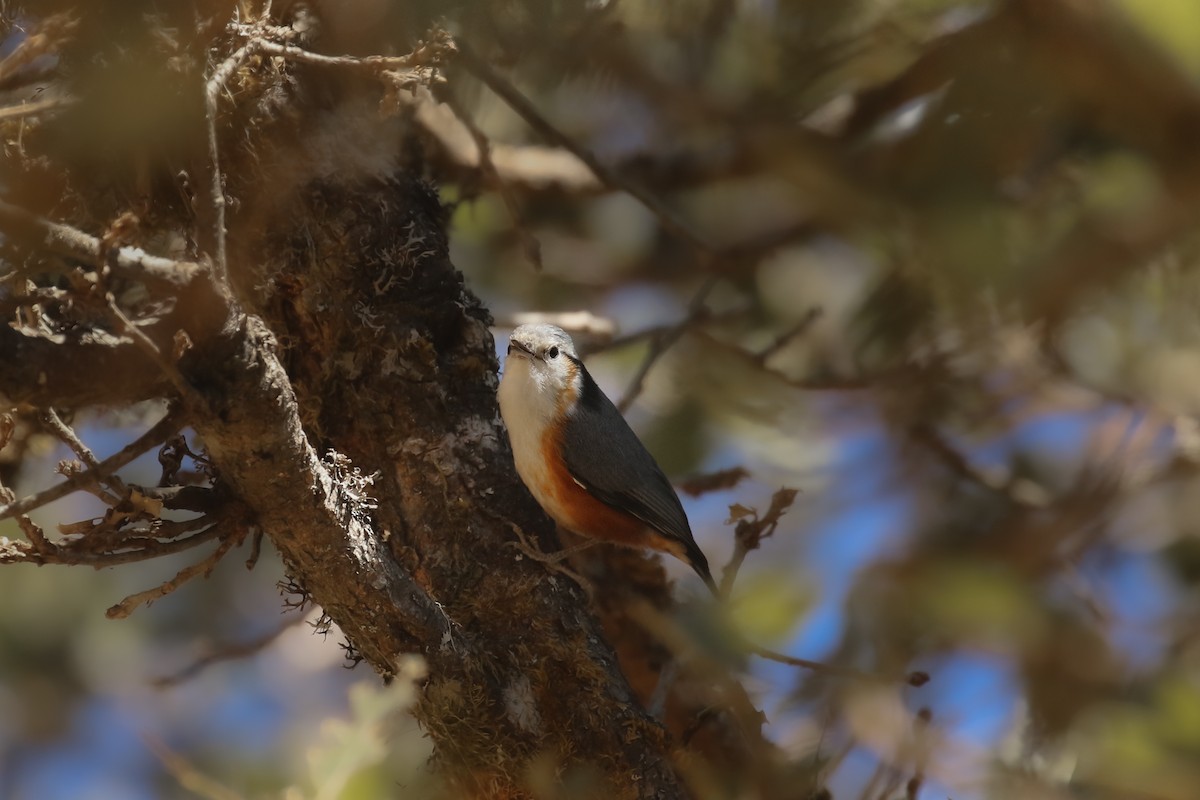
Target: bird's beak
[{"x": 518, "y": 348}]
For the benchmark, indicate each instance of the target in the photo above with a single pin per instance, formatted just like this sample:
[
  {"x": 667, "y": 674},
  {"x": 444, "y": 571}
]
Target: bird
[{"x": 578, "y": 456}]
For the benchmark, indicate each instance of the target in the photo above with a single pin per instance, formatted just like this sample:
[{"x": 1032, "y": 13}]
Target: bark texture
[{"x": 393, "y": 364}]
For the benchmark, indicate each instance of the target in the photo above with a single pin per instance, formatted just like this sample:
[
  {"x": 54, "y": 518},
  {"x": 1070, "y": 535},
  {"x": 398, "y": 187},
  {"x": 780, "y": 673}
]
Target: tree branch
[
  {"x": 229, "y": 538},
  {"x": 126, "y": 262},
  {"x": 521, "y": 104},
  {"x": 170, "y": 423},
  {"x": 662, "y": 341},
  {"x": 228, "y": 652},
  {"x": 325, "y": 533},
  {"x": 79, "y": 551},
  {"x": 63, "y": 431}
]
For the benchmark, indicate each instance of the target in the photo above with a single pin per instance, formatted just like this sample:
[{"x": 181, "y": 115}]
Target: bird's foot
[
  {"x": 546, "y": 558},
  {"x": 551, "y": 560}
]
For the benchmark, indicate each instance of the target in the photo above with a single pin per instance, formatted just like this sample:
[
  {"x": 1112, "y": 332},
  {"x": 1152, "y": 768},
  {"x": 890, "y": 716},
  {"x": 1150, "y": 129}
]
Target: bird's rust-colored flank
[{"x": 576, "y": 509}]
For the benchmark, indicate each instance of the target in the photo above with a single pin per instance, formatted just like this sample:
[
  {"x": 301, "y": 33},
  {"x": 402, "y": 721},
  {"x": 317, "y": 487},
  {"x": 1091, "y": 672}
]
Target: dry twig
[
  {"x": 529, "y": 243},
  {"x": 188, "y": 392},
  {"x": 169, "y": 424},
  {"x": 662, "y": 341},
  {"x": 751, "y": 530},
  {"x": 64, "y": 432},
  {"x": 78, "y": 550},
  {"x": 414, "y": 67},
  {"x": 400, "y": 71},
  {"x": 792, "y": 333},
  {"x": 126, "y": 607},
  {"x": 36, "y": 536},
  {"x": 129, "y": 262},
  {"x": 818, "y": 384},
  {"x": 212, "y": 93},
  {"x": 188, "y": 776},
  {"x": 524, "y": 107},
  {"x": 228, "y": 652},
  {"x": 1018, "y": 491},
  {"x": 29, "y": 109},
  {"x": 714, "y": 481}
]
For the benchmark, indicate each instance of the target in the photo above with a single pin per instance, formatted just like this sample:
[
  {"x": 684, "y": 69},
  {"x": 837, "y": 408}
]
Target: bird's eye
[{"x": 552, "y": 352}]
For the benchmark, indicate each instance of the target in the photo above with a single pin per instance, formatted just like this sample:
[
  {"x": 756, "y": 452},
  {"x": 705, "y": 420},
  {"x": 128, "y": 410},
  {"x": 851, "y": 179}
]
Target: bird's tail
[{"x": 697, "y": 561}]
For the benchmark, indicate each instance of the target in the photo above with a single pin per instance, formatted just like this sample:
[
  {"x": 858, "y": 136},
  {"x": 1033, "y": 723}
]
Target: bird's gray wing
[{"x": 606, "y": 457}]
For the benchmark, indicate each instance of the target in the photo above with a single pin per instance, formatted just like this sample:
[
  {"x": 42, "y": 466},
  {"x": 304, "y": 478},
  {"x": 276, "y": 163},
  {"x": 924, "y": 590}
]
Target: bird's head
[{"x": 543, "y": 366}]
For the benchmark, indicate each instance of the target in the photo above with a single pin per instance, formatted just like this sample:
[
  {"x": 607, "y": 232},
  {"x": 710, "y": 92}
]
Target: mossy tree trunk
[{"x": 340, "y": 342}]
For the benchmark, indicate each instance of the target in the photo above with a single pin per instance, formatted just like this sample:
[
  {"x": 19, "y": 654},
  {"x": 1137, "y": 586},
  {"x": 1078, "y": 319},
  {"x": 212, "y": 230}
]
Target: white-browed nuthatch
[{"x": 578, "y": 456}]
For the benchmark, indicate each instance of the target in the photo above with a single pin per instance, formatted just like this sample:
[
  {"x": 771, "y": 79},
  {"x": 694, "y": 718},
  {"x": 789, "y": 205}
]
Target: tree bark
[{"x": 393, "y": 364}]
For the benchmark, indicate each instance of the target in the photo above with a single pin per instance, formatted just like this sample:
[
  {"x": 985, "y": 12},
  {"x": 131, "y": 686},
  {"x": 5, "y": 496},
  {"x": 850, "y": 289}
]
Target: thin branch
[
  {"x": 1087, "y": 595},
  {"x": 417, "y": 67},
  {"x": 36, "y": 536},
  {"x": 212, "y": 93},
  {"x": 525, "y": 108},
  {"x": 129, "y": 604},
  {"x": 255, "y": 548},
  {"x": 617, "y": 342},
  {"x": 415, "y": 64},
  {"x": 33, "y": 532},
  {"x": 786, "y": 338},
  {"x": 260, "y": 28},
  {"x": 130, "y": 262},
  {"x": 921, "y": 753},
  {"x": 835, "y": 761},
  {"x": 679, "y": 641},
  {"x": 228, "y": 652},
  {"x": 751, "y": 530},
  {"x": 529, "y": 242},
  {"x": 718, "y": 481},
  {"x": 279, "y": 41},
  {"x": 878, "y": 777},
  {"x": 187, "y": 775},
  {"x": 196, "y": 400},
  {"x": 834, "y": 671},
  {"x": 590, "y": 325},
  {"x": 67, "y": 555},
  {"x": 64, "y": 432},
  {"x": 169, "y": 424},
  {"x": 29, "y": 109},
  {"x": 663, "y": 341},
  {"x": 1020, "y": 492},
  {"x": 818, "y": 384},
  {"x": 532, "y": 167},
  {"x": 154, "y": 549}
]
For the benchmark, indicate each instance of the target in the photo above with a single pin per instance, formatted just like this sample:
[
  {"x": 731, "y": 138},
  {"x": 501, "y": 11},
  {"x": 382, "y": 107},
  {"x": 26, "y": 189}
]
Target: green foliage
[
  {"x": 1174, "y": 25},
  {"x": 375, "y": 749}
]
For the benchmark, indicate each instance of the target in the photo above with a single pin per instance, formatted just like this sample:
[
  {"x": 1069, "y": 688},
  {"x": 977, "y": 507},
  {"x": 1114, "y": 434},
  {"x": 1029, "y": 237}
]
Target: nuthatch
[{"x": 578, "y": 456}]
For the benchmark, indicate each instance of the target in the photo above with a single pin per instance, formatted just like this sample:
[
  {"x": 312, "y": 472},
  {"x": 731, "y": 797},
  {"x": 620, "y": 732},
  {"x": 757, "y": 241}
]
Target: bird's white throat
[{"x": 528, "y": 405}]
